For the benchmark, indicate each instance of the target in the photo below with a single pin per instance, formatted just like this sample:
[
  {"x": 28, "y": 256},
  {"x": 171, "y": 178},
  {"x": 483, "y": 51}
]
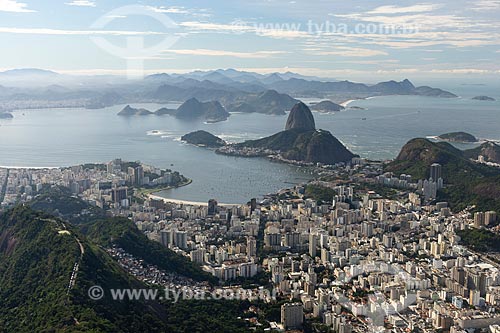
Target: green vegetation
[
  {"x": 203, "y": 138},
  {"x": 206, "y": 316},
  {"x": 58, "y": 201},
  {"x": 489, "y": 150},
  {"x": 320, "y": 193},
  {"x": 383, "y": 191},
  {"x": 3, "y": 187},
  {"x": 125, "y": 165},
  {"x": 467, "y": 183},
  {"x": 316, "y": 146},
  {"x": 458, "y": 137},
  {"x": 143, "y": 192},
  {"x": 122, "y": 232},
  {"x": 36, "y": 263},
  {"x": 480, "y": 240}
]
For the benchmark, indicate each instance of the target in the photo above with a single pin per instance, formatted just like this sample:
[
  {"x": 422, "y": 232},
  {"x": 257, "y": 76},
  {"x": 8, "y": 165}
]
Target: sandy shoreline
[
  {"x": 346, "y": 103},
  {"x": 186, "y": 202},
  {"x": 28, "y": 168}
]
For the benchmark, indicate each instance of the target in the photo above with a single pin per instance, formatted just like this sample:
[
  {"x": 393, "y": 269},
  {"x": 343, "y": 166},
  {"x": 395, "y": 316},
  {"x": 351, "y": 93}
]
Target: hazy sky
[{"x": 341, "y": 39}]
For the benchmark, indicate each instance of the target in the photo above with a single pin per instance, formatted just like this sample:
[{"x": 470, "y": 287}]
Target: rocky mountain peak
[{"x": 300, "y": 117}]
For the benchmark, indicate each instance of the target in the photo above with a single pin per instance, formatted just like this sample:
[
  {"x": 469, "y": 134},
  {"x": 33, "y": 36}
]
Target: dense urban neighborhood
[{"x": 357, "y": 249}]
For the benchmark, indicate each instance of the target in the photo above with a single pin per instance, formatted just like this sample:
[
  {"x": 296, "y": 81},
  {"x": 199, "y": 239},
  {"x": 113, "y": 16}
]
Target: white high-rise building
[
  {"x": 313, "y": 244},
  {"x": 251, "y": 247}
]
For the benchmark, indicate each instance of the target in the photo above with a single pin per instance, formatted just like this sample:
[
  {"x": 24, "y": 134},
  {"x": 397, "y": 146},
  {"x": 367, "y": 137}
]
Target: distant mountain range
[{"x": 237, "y": 91}]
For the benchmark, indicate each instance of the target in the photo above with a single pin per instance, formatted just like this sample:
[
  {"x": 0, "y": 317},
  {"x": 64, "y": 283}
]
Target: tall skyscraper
[
  {"x": 436, "y": 169},
  {"x": 479, "y": 219},
  {"x": 181, "y": 239},
  {"x": 212, "y": 207},
  {"x": 167, "y": 237},
  {"x": 251, "y": 247},
  {"x": 253, "y": 204},
  {"x": 292, "y": 315},
  {"x": 313, "y": 244},
  {"x": 118, "y": 194},
  {"x": 490, "y": 217},
  {"x": 139, "y": 176}
]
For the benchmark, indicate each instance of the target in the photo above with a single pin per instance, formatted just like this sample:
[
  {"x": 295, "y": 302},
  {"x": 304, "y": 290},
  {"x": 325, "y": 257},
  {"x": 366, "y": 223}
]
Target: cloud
[
  {"x": 419, "y": 8},
  {"x": 195, "y": 12},
  {"x": 222, "y": 53},
  {"x": 465, "y": 71},
  {"x": 81, "y": 3},
  {"x": 420, "y": 22},
  {"x": 486, "y": 5},
  {"x": 169, "y": 10},
  {"x": 59, "y": 32},
  {"x": 282, "y": 33},
  {"x": 216, "y": 27},
  {"x": 116, "y": 16},
  {"x": 434, "y": 38},
  {"x": 423, "y": 27},
  {"x": 238, "y": 27},
  {"x": 14, "y": 6},
  {"x": 345, "y": 51}
]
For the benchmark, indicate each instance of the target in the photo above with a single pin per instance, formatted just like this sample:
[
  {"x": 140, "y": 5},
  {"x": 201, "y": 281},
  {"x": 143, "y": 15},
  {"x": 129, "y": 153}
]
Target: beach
[{"x": 186, "y": 202}]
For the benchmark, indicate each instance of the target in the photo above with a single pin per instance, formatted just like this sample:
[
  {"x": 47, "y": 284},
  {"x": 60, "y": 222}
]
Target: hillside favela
[{"x": 250, "y": 166}]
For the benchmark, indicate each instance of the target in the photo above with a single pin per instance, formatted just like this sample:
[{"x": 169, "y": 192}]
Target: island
[
  {"x": 192, "y": 109},
  {"x": 6, "y": 115},
  {"x": 211, "y": 112},
  {"x": 327, "y": 106},
  {"x": 130, "y": 111},
  {"x": 459, "y": 137},
  {"x": 484, "y": 98},
  {"x": 203, "y": 139}
]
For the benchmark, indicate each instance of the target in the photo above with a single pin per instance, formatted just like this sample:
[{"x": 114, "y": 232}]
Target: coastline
[
  {"x": 187, "y": 202},
  {"x": 346, "y": 103},
  {"x": 146, "y": 191},
  {"x": 29, "y": 168},
  {"x": 152, "y": 194}
]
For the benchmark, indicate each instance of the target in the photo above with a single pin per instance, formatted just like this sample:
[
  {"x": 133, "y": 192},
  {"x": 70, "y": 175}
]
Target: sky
[{"x": 327, "y": 38}]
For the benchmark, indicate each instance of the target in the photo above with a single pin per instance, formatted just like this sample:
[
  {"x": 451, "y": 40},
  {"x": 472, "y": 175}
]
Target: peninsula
[{"x": 300, "y": 143}]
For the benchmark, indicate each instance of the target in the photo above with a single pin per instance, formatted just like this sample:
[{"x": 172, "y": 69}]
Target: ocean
[{"x": 64, "y": 137}]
